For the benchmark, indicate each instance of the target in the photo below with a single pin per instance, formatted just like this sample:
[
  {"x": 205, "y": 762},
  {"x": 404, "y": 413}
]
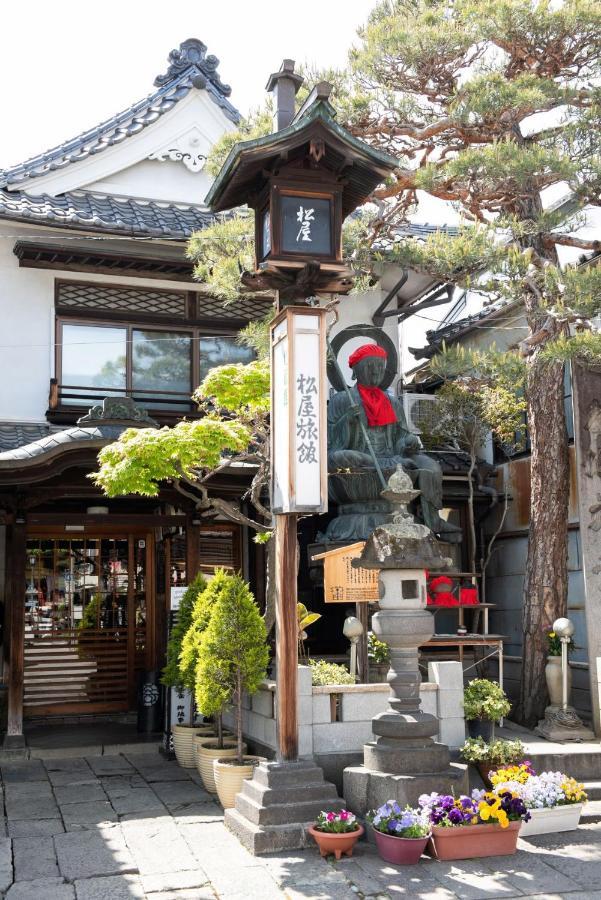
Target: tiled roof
[
  {"x": 16, "y": 434},
  {"x": 449, "y": 332},
  {"x": 189, "y": 68},
  {"x": 57, "y": 439},
  {"x": 103, "y": 212}
]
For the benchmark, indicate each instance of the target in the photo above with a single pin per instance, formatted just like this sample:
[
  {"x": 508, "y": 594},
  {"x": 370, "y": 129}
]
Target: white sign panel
[
  {"x": 299, "y": 464},
  {"x": 176, "y": 595}
]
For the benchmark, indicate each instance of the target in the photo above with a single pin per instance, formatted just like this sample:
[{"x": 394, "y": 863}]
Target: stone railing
[{"x": 334, "y": 721}]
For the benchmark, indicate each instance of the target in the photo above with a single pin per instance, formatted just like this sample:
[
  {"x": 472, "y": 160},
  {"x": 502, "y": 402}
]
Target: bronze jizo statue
[{"x": 354, "y": 481}]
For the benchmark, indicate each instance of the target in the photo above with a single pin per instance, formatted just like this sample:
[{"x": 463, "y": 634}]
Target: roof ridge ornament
[
  {"x": 193, "y": 53},
  {"x": 117, "y": 410}
]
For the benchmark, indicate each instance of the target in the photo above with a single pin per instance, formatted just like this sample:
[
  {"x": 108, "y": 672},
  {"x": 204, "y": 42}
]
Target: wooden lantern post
[{"x": 299, "y": 483}]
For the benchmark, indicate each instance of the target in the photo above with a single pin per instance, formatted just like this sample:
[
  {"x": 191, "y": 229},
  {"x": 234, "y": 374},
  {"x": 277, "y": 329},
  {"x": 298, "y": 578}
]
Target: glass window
[
  {"x": 93, "y": 356},
  {"x": 161, "y": 362},
  {"x": 220, "y": 351}
]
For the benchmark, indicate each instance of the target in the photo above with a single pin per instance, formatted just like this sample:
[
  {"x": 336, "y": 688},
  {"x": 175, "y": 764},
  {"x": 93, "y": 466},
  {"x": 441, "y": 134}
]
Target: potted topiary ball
[{"x": 484, "y": 703}]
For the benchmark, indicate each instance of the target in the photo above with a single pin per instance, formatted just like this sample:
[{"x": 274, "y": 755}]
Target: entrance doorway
[{"x": 89, "y": 616}]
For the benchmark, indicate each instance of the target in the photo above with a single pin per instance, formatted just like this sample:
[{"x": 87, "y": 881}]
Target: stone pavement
[{"x": 137, "y": 826}]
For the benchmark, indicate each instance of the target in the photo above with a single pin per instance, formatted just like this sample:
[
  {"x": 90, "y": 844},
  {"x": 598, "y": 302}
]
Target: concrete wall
[{"x": 335, "y": 720}]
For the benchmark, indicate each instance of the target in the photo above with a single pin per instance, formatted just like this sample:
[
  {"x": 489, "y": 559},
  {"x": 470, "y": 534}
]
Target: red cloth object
[
  {"x": 366, "y": 350},
  {"x": 468, "y": 596},
  {"x": 377, "y": 406},
  {"x": 441, "y": 593}
]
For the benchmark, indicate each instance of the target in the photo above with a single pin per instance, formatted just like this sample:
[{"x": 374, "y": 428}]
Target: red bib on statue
[{"x": 377, "y": 406}]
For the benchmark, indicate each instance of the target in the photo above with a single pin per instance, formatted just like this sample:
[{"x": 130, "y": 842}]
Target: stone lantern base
[{"x": 365, "y": 789}]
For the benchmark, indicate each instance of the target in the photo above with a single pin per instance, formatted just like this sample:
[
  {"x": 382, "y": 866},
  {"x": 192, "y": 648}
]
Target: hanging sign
[{"x": 298, "y": 411}]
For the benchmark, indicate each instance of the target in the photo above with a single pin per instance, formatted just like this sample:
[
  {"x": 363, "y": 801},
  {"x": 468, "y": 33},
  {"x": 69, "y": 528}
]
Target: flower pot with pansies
[
  {"x": 488, "y": 756},
  {"x": 483, "y": 824},
  {"x": 553, "y": 799},
  {"x": 336, "y": 832},
  {"x": 401, "y": 835}
]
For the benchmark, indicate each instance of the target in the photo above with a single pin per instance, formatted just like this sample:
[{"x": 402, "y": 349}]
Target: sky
[{"x": 67, "y": 65}]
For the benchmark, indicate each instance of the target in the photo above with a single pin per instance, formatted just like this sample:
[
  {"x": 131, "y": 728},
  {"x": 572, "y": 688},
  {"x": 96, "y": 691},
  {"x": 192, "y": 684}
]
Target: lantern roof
[{"x": 247, "y": 167}]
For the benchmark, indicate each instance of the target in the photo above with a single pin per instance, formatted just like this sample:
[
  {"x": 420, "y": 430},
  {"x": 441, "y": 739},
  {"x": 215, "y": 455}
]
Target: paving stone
[
  {"x": 41, "y": 889},
  {"x": 205, "y": 893},
  {"x": 174, "y": 881},
  {"x": 332, "y": 892},
  {"x": 6, "y": 863},
  {"x": 121, "y": 785},
  {"x": 87, "y": 813},
  {"x": 71, "y": 778},
  {"x": 34, "y": 857},
  {"x": 471, "y": 879},
  {"x": 165, "y": 772},
  {"x": 24, "y": 790},
  {"x": 102, "y": 851},
  {"x": 31, "y": 808},
  {"x": 67, "y": 764},
  {"x": 527, "y": 872},
  {"x": 180, "y": 793},
  {"x": 110, "y": 765},
  {"x": 137, "y": 800},
  {"x": 79, "y": 793},
  {"x": 198, "y": 813},
  {"x": 25, "y": 770},
  {"x": 35, "y": 828},
  {"x": 237, "y": 883},
  {"x": 158, "y": 847},
  {"x": 211, "y": 842},
  {"x": 113, "y": 887}
]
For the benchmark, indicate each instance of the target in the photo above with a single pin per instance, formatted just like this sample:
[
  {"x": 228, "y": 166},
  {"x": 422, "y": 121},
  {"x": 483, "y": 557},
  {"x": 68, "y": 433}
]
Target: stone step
[
  {"x": 593, "y": 791},
  {"x": 272, "y": 839},
  {"x": 579, "y": 764},
  {"x": 287, "y": 812},
  {"x": 288, "y": 775},
  {"x": 322, "y": 792}
]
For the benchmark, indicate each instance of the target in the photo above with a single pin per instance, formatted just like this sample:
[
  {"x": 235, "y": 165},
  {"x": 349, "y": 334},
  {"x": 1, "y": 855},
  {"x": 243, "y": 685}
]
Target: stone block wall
[{"x": 335, "y": 720}]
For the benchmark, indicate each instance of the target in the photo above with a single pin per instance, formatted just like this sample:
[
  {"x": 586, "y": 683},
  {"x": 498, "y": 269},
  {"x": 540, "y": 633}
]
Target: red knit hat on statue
[
  {"x": 377, "y": 406},
  {"x": 366, "y": 350}
]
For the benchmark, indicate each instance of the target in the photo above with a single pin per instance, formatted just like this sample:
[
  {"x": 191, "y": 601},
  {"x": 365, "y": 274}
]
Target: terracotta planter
[
  {"x": 338, "y": 844},
  {"x": 230, "y": 777},
  {"x": 207, "y": 752},
  {"x": 484, "y": 768},
  {"x": 474, "y": 841},
  {"x": 183, "y": 743},
  {"x": 399, "y": 850},
  {"x": 556, "y": 818}
]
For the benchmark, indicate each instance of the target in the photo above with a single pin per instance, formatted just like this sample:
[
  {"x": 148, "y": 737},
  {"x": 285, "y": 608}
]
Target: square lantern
[
  {"x": 299, "y": 221},
  {"x": 298, "y": 411}
]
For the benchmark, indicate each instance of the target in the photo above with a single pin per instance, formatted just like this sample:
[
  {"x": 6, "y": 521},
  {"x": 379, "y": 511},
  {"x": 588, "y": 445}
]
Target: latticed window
[{"x": 120, "y": 298}]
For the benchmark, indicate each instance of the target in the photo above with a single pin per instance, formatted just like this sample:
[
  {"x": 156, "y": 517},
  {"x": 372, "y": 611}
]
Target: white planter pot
[
  {"x": 557, "y": 818},
  {"x": 554, "y": 681}
]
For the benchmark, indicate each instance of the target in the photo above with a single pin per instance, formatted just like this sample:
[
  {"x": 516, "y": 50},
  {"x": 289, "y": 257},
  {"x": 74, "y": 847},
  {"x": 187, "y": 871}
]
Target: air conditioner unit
[{"x": 420, "y": 411}]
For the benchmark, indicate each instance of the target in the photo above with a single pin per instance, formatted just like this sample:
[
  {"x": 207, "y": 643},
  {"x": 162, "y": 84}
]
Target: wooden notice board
[{"x": 343, "y": 583}]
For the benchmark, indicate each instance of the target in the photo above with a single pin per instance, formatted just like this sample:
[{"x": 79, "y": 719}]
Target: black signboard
[{"x": 306, "y": 225}]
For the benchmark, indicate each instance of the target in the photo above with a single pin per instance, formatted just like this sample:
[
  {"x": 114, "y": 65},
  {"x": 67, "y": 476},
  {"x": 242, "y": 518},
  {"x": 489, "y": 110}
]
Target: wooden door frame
[{"x": 130, "y": 534}]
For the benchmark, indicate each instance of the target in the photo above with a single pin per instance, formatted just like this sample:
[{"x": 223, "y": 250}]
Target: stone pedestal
[
  {"x": 563, "y": 725},
  {"x": 275, "y": 807}
]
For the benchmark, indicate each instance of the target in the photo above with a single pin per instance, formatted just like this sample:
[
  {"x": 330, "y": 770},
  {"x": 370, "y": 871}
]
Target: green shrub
[
  {"x": 204, "y": 602},
  {"x": 497, "y": 753},
  {"x": 232, "y": 653},
  {"x": 484, "y": 699},
  {"x": 323, "y": 672},
  {"x": 377, "y": 651},
  {"x": 171, "y": 675}
]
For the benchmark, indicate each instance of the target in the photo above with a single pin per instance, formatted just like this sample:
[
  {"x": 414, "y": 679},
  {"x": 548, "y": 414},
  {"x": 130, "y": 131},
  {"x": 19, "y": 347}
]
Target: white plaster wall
[
  {"x": 26, "y": 339},
  {"x": 159, "y": 180},
  {"x": 27, "y": 319}
]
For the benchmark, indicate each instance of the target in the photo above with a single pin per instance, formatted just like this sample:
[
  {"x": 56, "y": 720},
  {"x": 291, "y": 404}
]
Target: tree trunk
[
  {"x": 239, "y": 748},
  {"x": 546, "y": 576}
]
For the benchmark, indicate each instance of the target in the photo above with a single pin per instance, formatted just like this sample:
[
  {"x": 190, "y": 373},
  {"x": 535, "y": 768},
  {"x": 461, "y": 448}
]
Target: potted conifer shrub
[
  {"x": 209, "y": 741},
  {"x": 485, "y": 703},
  {"x": 232, "y": 661},
  {"x": 172, "y": 676}
]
